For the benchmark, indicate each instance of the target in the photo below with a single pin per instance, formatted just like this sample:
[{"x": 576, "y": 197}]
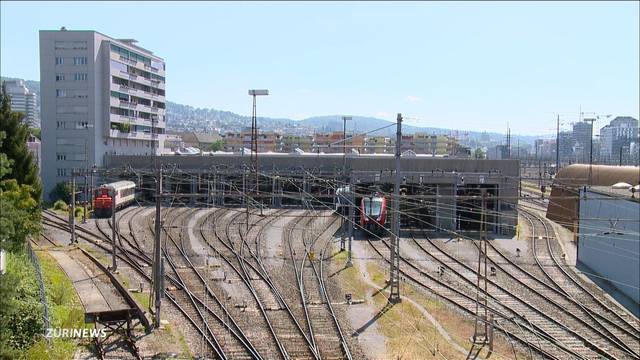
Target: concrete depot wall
[{"x": 608, "y": 242}]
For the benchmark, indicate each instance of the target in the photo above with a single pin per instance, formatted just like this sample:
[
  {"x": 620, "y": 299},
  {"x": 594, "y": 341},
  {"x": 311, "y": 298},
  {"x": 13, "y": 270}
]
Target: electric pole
[
  {"x": 157, "y": 254},
  {"x": 558, "y": 144},
  {"x": 394, "y": 272},
  {"x": 72, "y": 216},
  {"x": 344, "y": 174},
  {"x": 114, "y": 233},
  {"x": 351, "y": 222}
]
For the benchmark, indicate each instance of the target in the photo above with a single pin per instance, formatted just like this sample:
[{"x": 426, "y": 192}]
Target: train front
[
  {"x": 373, "y": 214},
  {"x": 102, "y": 202}
]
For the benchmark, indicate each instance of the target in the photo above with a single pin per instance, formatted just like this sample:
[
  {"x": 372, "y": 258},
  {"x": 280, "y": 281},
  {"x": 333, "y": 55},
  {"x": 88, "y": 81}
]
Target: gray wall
[{"x": 611, "y": 252}]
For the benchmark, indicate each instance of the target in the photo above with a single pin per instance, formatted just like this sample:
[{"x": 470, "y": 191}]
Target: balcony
[{"x": 114, "y": 133}]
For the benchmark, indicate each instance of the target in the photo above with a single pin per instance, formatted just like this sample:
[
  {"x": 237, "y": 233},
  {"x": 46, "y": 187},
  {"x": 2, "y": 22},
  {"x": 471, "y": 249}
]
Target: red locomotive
[{"x": 103, "y": 202}]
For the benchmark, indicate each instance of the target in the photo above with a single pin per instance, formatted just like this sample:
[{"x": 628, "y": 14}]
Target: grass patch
[
  {"x": 409, "y": 334},
  {"x": 65, "y": 311},
  {"x": 459, "y": 328}
]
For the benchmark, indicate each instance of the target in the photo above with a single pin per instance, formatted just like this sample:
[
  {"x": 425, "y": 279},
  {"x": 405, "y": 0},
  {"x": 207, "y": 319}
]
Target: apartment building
[
  {"x": 378, "y": 145},
  {"x": 291, "y": 142},
  {"x": 616, "y": 139},
  {"x": 23, "y": 100},
  {"x": 331, "y": 143},
  {"x": 237, "y": 141},
  {"x": 99, "y": 95}
]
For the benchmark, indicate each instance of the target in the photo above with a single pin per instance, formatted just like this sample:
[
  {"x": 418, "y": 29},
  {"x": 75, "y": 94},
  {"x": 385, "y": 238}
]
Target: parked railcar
[
  {"x": 104, "y": 201},
  {"x": 373, "y": 214}
]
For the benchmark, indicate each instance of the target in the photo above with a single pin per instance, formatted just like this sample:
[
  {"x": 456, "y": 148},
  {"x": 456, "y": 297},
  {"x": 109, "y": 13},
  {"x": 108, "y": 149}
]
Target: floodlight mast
[{"x": 254, "y": 135}]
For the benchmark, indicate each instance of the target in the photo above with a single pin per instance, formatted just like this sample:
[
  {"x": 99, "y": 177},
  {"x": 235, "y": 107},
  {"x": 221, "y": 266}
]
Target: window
[
  {"x": 62, "y": 172},
  {"x": 80, "y": 77},
  {"x": 59, "y": 77},
  {"x": 61, "y": 156},
  {"x": 61, "y": 93},
  {"x": 59, "y": 60},
  {"x": 72, "y": 109},
  {"x": 118, "y": 66},
  {"x": 119, "y": 95},
  {"x": 80, "y": 60},
  {"x": 71, "y": 45}
]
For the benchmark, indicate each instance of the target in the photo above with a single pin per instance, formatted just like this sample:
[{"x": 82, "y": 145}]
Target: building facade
[
  {"x": 99, "y": 96},
  {"x": 616, "y": 139},
  {"x": 582, "y": 134},
  {"x": 23, "y": 100},
  {"x": 608, "y": 238}
]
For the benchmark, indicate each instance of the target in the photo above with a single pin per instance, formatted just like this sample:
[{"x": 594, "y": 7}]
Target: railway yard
[{"x": 244, "y": 285}]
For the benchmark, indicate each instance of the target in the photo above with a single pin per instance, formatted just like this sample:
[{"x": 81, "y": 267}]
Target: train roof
[{"x": 120, "y": 184}]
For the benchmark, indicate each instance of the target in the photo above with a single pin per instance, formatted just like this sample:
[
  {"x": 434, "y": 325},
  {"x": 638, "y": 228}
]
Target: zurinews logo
[{"x": 76, "y": 333}]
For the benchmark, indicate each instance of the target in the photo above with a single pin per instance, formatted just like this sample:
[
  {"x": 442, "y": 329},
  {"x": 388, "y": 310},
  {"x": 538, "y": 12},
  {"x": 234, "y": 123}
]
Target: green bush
[
  {"x": 60, "y": 205},
  {"x": 20, "y": 308},
  {"x": 79, "y": 211},
  {"x": 62, "y": 191}
]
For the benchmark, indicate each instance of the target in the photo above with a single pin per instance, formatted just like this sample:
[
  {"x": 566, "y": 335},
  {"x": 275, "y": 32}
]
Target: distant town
[{"x": 194, "y": 131}]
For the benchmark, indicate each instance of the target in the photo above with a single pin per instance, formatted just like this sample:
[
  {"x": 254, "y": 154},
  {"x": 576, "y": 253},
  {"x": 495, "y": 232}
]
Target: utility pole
[
  {"x": 344, "y": 174},
  {"x": 245, "y": 199},
  {"x": 350, "y": 223},
  {"x": 394, "y": 272},
  {"x": 93, "y": 170},
  {"x": 86, "y": 169},
  {"x": 158, "y": 276},
  {"x": 114, "y": 233},
  {"x": 72, "y": 216},
  {"x": 481, "y": 331},
  {"x": 590, "y": 149},
  {"x": 558, "y": 144}
]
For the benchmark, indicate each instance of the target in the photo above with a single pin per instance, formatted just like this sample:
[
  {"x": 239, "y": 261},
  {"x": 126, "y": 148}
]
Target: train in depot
[
  {"x": 373, "y": 214},
  {"x": 113, "y": 196}
]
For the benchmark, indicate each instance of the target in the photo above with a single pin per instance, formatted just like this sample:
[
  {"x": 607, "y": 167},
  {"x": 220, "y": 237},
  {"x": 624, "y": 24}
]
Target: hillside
[{"x": 182, "y": 117}]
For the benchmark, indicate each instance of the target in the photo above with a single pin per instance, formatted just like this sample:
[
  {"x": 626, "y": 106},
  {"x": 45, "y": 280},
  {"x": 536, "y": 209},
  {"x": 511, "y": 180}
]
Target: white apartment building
[
  {"x": 23, "y": 100},
  {"x": 99, "y": 95},
  {"x": 616, "y": 139}
]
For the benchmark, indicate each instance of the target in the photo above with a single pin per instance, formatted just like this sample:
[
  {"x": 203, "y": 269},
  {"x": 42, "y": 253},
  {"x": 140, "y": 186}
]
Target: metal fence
[{"x": 43, "y": 297}]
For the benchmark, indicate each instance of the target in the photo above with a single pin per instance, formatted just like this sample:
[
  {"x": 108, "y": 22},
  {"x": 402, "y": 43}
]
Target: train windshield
[{"x": 373, "y": 206}]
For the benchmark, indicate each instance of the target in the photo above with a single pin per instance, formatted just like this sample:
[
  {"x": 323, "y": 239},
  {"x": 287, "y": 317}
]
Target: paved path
[{"x": 94, "y": 289}]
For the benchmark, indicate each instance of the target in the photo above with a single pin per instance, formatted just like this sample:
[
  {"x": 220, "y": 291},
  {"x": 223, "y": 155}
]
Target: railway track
[
  {"x": 553, "y": 273},
  {"x": 213, "y": 315},
  {"x": 324, "y": 328},
  {"x": 511, "y": 323},
  {"x": 126, "y": 257}
]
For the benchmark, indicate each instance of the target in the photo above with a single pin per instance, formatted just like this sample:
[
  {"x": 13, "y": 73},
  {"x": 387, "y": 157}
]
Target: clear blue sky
[{"x": 466, "y": 65}]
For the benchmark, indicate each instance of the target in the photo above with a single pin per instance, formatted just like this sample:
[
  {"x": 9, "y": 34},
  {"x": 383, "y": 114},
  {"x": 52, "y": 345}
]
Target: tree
[
  {"x": 479, "y": 154},
  {"x": 14, "y": 146},
  {"x": 62, "y": 191},
  {"x": 217, "y": 145}
]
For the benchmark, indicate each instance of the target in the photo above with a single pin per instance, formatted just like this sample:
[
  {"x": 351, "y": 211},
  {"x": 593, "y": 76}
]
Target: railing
[
  {"x": 43, "y": 297},
  {"x": 127, "y": 60}
]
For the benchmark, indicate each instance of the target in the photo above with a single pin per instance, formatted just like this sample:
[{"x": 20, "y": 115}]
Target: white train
[{"x": 125, "y": 194}]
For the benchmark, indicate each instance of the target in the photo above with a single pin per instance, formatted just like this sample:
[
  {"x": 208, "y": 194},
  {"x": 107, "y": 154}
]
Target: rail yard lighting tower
[{"x": 254, "y": 135}]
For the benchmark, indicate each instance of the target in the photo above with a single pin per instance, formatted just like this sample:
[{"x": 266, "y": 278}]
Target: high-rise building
[
  {"x": 23, "y": 100},
  {"x": 616, "y": 139},
  {"x": 99, "y": 95},
  {"x": 582, "y": 134}
]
